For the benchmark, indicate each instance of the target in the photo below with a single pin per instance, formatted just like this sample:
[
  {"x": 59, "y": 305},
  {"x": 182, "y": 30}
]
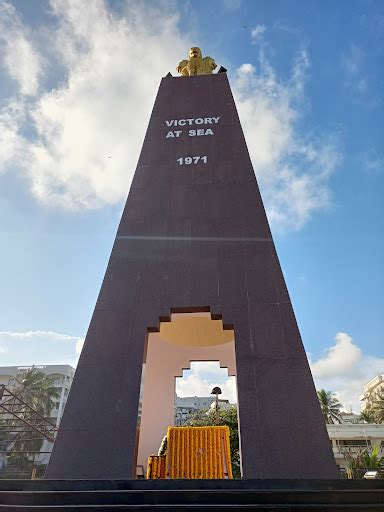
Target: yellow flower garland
[
  {"x": 156, "y": 466},
  {"x": 195, "y": 452}
]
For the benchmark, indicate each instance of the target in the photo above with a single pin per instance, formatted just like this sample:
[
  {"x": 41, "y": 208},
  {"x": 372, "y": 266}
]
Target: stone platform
[{"x": 191, "y": 495}]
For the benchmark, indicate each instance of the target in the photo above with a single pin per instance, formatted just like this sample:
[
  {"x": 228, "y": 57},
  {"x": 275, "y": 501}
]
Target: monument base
[{"x": 187, "y": 495}]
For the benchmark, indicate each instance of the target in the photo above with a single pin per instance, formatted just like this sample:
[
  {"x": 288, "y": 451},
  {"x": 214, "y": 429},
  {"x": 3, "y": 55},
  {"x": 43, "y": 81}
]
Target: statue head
[{"x": 195, "y": 52}]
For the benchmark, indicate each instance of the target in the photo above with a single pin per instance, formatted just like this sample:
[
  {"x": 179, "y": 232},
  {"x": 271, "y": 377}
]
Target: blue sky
[{"x": 77, "y": 84}]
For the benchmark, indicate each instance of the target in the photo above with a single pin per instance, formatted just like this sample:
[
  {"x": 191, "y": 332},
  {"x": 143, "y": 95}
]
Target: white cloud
[
  {"x": 28, "y": 347},
  {"x": 19, "y": 57},
  {"x": 289, "y": 29},
  {"x": 203, "y": 377},
  {"x": 345, "y": 369},
  {"x": 339, "y": 359},
  {"x": 293, "y": 167},
  {"x": 79, "y": 345},
  {"x": 352, "y": 60},
  {"x": 28, "y": 335},
  {"x": 89, "y": 129},
  {"x": 83, "y": 138},
  {"x": 232, "y": 5},
  {"x": 258, "y": 31},
  {"x": 12, "y": 144},
  {"x": 356, "y": 78},
  {"x": 247, "y": 69}
]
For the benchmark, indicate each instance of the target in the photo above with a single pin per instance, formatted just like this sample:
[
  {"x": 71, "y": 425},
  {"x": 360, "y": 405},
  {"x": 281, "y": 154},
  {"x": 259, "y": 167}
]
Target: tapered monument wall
[{"x": 194, "y": 236}]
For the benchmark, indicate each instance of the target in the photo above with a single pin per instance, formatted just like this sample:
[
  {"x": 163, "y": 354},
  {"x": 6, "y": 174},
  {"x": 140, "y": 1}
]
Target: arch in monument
[{"x": 186, "y": 335}]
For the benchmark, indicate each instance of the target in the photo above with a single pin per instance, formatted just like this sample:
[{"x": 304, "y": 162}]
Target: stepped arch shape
[{"x": 184, "y": 337}]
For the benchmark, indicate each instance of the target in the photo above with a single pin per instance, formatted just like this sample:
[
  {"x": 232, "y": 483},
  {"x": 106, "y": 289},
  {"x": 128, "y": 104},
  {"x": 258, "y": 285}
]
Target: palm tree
[
  {"x": 330, "y": 406},
  {"x": 378, "y": 407},
  {"x": 37, "y": 390},
  {"x": 367, "y": 416}
]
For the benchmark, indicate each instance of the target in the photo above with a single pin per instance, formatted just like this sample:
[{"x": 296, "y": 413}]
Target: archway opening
[{"x": 182, "y": 338}]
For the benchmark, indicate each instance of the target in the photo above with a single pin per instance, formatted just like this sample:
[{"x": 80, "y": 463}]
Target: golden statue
[{"x": 196, "y": 64}]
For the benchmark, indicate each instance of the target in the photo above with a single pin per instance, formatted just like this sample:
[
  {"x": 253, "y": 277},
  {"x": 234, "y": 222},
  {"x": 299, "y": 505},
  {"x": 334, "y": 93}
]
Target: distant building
[
  {"x": 353, "y": 435},
  {"x": 350, "y": 417},
  {"x": 350, "y": 439},
  {"x": 61, "y": 375},
  {"x": 184, "y": 406},
  {"x": 370, "y": 391}
]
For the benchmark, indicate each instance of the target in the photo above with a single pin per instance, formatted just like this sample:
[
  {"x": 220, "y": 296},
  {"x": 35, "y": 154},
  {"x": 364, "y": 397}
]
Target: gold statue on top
[{"x": 196, "y": 64}]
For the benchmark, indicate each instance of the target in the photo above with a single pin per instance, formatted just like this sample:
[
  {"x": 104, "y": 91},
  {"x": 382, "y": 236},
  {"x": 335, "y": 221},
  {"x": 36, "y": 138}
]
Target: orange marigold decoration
[
  {"x": 198, "y": 452},
  {"x": 219, "y": 452},
  {"x": 156, "y": 466},
  {"x": 171, "y": 440},
  {"x": 215, "y": 449}
]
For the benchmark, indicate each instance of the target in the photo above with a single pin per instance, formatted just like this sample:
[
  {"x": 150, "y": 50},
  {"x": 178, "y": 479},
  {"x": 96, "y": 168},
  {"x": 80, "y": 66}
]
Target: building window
[{"x": 355, "y": 442}]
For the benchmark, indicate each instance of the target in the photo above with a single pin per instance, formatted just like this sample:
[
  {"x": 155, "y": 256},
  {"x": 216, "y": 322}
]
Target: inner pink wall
[{"x": 164, "y": 363}]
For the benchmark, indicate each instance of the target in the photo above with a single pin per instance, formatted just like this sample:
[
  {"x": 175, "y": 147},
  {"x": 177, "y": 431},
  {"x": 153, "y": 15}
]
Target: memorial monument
[{"x": 193, "y": 275}]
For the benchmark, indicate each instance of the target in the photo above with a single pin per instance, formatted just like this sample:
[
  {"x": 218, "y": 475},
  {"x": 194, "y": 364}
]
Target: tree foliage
[
  {"x": 374, "y": 413},
  {"x": 330, "y": 406},
  {"x": 367, "y": 461},
  {"x": 367, "y": 416},
  {"x": 37, "y": 390},
  {"x": 3, "y": 435},
  {"x": 377, "y": 408}
]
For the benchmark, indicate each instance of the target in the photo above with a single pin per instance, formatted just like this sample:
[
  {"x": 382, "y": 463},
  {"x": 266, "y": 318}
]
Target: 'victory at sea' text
[{"x": 189, "y": 122}]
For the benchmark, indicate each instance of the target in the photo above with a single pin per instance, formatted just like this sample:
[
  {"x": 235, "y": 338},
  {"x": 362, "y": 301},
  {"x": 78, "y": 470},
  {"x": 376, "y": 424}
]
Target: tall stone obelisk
[{"x": 193, "y": 235}]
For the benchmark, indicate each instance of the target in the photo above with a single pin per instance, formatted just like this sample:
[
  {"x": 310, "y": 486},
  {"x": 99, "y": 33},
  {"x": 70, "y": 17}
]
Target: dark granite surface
[{"x": 192, "y": 236}]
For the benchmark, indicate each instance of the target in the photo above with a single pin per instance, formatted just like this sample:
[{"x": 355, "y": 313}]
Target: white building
[
  {"x": 61, "y": 374},
  {"x": 350, "y": 439},
  {"x": 184, "y": 406},
  {"x": 62, "y": 377},
  {"x": 371, "y": 390},
  {"x": 350, "y": 417}
]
